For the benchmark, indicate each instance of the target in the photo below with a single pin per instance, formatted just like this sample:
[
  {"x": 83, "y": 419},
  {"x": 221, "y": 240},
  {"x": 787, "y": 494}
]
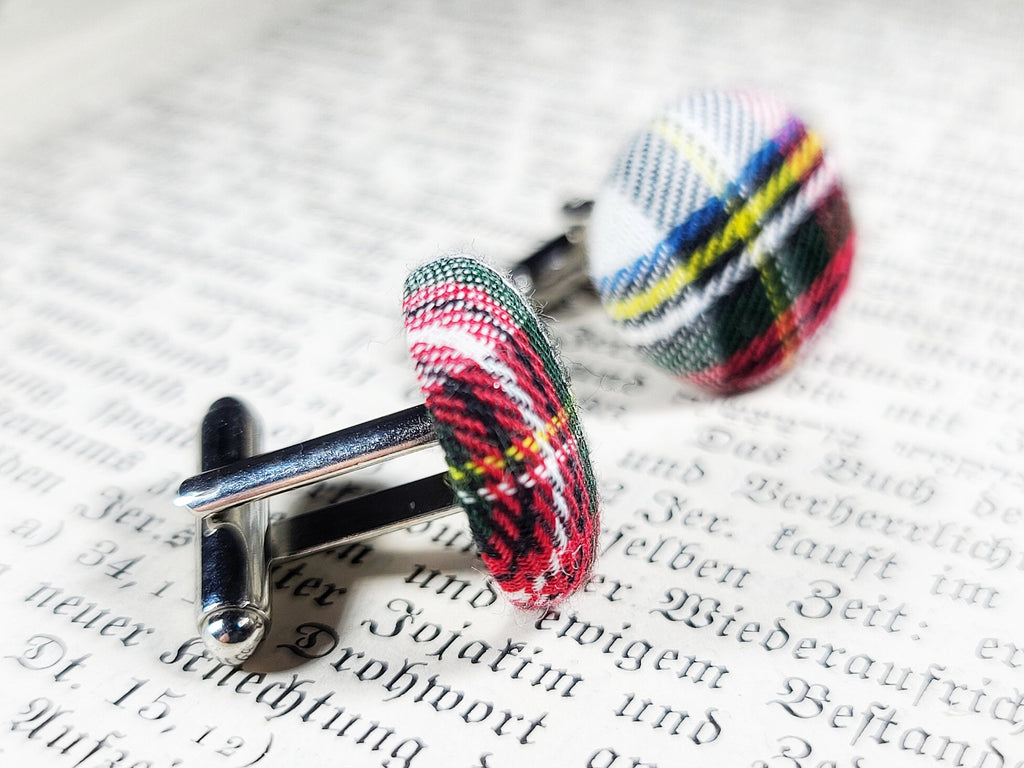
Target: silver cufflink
[
  {"x": 498, "y": 403},
  {"x": 719, "y": 245}
]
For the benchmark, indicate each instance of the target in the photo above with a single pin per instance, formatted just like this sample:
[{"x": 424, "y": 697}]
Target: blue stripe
[{"x": 689, "y": 233}]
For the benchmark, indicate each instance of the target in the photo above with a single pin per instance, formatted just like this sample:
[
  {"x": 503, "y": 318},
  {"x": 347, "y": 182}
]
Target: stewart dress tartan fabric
[
  {"x": 506, "y": 419},
  {"x": 722, "y": 240}
]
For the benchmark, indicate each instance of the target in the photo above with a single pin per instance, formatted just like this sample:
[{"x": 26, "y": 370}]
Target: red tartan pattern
[
  {"x": 723, "y": 239},
  {"x": 507, "y": 422}
]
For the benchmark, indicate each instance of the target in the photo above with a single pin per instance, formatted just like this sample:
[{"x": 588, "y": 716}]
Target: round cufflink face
[
  {"x": 722, "y": 240},
  {"x": 507, "y": 422}
]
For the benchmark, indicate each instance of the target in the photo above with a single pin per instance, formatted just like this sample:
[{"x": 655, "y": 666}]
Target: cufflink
[
  {"x": 719, "y": 245},
  {"x": 498, "y": 402}
]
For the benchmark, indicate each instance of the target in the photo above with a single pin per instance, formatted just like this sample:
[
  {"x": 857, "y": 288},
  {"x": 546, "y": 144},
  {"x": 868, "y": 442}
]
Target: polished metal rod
[
  {"x": 371, "y": 515},
  {"x": 233, "y": 575},
  {"x": 311, "y": 461},
  {"x": 555, "y": 271}
]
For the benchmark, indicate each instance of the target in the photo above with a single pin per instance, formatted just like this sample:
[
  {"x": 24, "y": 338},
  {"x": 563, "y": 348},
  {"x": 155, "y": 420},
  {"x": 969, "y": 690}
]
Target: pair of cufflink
[{"x": 720, "y": 244}]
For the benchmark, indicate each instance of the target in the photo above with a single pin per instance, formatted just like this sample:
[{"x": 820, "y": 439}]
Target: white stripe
[
  {"x": 813, "y": 191},
  {"x": 462, "y": 341}
]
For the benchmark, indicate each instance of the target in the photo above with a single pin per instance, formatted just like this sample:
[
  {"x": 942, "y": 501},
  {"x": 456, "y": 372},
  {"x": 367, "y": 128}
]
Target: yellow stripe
[
  {"x": 775, "y": 290},
  {"x": 531, "y": 445},
  {"x": 739, "y": 227},
  {"x": 696, "y": 153}
]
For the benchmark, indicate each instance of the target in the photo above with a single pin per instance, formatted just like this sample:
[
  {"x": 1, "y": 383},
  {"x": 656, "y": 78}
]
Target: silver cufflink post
[
  {"x": 558, "y": 268},
  {"x": 237, "y": 544},
  {"x": 498, "y": 404},
  {"x": 718, "y": 273}
]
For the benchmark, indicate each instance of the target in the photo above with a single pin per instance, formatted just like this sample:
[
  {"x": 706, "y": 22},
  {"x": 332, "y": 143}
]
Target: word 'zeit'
[
  {"x": 824, "y": 601},
  {"x": 884, "y": 726},
  {"x": 699, "y": 612}
]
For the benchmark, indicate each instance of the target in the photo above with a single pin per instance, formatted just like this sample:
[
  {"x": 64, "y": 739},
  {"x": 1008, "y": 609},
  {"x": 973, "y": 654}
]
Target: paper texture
[{"x": 823, "y": 572}]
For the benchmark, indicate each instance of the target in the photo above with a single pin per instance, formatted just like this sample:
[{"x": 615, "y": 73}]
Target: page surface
[{"x": 825, "y": 571}]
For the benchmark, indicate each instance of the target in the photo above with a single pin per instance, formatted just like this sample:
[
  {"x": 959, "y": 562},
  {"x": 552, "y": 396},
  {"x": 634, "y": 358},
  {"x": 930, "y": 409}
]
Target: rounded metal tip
[{"x": 233, "y": 634}]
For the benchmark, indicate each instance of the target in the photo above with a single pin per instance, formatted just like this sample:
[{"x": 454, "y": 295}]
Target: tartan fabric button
[
  {"x": 498, "y": 403},
  {"x": 507, "y": 421},
  {"x": 722, "y": 240}
]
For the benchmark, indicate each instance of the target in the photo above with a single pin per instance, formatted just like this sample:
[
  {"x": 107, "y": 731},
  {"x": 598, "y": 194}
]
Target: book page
[{"x": 826, "y": 571}]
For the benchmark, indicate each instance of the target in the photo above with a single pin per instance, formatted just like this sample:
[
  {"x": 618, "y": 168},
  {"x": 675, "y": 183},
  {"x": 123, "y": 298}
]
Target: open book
[{"x": 826, "y": 571}]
